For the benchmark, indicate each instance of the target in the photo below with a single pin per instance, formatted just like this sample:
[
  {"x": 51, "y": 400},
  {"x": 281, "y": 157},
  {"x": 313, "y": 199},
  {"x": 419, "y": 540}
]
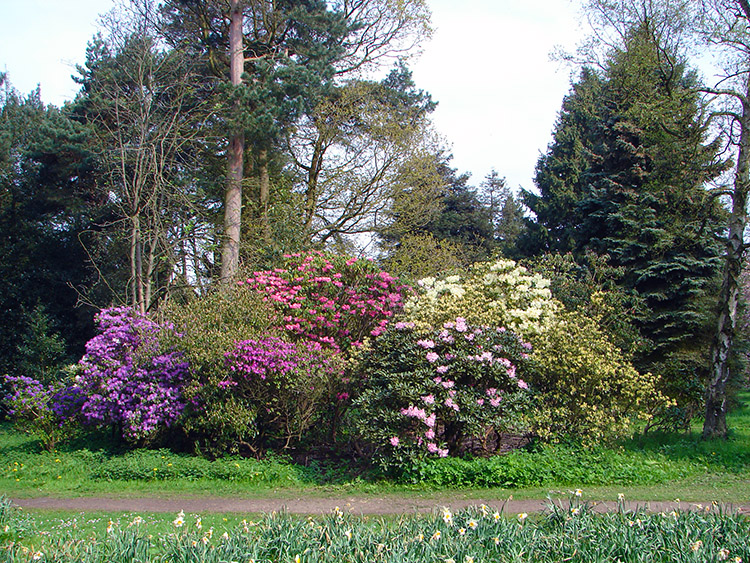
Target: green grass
[
  {"x": 652, "y": 467},
  {"x": 568, "y": 532}
]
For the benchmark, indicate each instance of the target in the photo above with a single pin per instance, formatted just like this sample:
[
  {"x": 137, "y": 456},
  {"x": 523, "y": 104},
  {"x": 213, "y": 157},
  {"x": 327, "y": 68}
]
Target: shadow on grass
[{"x": 731, "y": 454}]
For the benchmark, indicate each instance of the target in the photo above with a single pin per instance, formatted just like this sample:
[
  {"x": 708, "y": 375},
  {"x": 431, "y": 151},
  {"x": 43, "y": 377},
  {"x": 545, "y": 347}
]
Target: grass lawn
[{"x": 653, "y": 467}]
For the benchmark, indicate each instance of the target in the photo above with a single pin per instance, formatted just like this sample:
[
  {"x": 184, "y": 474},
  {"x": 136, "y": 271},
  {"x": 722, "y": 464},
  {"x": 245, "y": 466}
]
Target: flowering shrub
[
  {"x": 216, "y": 419},
  {"x": 330, "y": 299},
  {"x": 127, "y": 381},
  {"x": 428, "y": 393},
  {"x": 588, "y": 389},
  {"x": 499, "y": 293},
  {"x": 285, "y": 382},
  {"x": 47, "y": 411}
]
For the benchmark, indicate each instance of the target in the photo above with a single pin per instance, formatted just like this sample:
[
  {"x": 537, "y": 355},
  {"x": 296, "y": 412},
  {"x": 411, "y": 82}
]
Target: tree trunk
[
  {"x": 311, "y": 193},
  {"x": 136, "y": 265},
  {"x": 265, "y": 192},
  {"x": 715, "y": 424},
  {"x": 230, "y": 258}
]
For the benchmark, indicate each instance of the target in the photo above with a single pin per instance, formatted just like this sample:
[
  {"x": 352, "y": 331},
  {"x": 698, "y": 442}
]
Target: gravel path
[{"x": 356, "y": 505}]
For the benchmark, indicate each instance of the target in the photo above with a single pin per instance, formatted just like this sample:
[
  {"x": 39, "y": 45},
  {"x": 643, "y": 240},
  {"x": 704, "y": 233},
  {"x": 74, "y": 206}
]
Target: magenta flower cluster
[
  {"x": 263, "y": 359},
  {"x": 126, "y": 380},
  {"x": 330, "y": 299}
]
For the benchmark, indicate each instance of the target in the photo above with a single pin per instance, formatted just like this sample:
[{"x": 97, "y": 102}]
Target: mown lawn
[{"x": 652, "y": 467}]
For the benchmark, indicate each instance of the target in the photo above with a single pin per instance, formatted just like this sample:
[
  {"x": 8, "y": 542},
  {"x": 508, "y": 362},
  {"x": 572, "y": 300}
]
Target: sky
[{"x": 487, "y": 65}]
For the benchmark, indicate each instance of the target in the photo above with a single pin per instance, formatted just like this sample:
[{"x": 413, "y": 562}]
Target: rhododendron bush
[
  {"x": 287, "y": 384},
  {"x": 280, "y": 360},
  {"x": 589, "y": 390},
  {"x": 499, "y": 293},
  {"x": 432, "y": 393},
  {"x": 48, "y": 411},
  {"x": 330, "y": 299},
  {"x": 126, "y": 380}
]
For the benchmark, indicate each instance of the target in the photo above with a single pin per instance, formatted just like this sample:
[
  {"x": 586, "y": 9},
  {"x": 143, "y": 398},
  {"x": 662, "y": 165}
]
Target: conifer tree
[{"x": 625, "y": 177}]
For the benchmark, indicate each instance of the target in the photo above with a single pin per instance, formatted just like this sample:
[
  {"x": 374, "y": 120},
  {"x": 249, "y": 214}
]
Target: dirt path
[{"x": 356, "y": 505}]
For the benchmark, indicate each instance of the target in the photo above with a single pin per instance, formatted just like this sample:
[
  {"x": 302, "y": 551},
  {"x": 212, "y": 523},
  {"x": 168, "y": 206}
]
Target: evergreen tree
[
  {"x": 625, "y": 177},
  {"x": 459, "y": 218},
  {"x": 506, "y": 213},
  {"x": 47, "y": 205}
]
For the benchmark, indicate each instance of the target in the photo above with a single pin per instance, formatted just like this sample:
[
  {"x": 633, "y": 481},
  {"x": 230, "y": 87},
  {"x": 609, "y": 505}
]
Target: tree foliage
[
  {"x": 625, "y": 176},
  {"x": 47, "y": 205}
]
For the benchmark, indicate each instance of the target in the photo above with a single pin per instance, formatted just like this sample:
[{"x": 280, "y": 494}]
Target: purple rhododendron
[
  {"x": 48, "y": 411},
  {"x": 126, "y": 380}
]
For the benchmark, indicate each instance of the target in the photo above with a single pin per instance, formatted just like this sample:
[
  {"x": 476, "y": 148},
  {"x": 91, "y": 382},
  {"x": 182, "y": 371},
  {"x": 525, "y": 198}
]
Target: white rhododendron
[{"x": 499, "y": 293}]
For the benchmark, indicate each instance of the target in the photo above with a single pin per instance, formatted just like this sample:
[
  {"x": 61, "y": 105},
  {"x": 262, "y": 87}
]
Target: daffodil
[{"x": 447, "y": 517}]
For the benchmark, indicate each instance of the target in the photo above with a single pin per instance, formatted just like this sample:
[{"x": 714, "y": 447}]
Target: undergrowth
[{"x": 643, "y": 460}]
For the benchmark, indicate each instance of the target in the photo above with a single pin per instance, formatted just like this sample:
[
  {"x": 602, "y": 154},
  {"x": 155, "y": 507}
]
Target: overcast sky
[{"x": 488, "y": 67}]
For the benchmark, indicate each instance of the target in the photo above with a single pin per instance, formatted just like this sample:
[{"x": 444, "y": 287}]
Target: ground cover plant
[
  {"x": 568, "y": 531},
  {"x": 654, "y": 467}
]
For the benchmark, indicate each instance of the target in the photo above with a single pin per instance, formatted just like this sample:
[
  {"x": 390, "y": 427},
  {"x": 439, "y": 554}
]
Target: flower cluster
[
  {"x": 497, "y": 293},
  {"x": 330, "y": 299},
  {"x": 126, "y": 380},
  {"x": 286, "y": 384},
  {"x": 433, "y": 391},
  {"x": 47, "y": 410},
  {"x": 266, "y": 357}
]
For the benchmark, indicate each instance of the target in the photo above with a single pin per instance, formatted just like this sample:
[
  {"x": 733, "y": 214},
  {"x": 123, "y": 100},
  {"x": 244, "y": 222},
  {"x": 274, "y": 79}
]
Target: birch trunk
[{"x": 715, "y": 424}]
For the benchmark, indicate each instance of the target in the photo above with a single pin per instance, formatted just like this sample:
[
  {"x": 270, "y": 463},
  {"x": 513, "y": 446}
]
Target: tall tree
[
  {"x": 459, "y": 218},
  {"x": 230, "y": 257},
  {"x": 625, "y": 176},
  {"x": 140, "y": 102},
  {"x": 360, "y": 152},
  {"x": 724, "y": 26},
  {"x": 47, "y": 203},
  {"x": 293, "y": 53},
  {"x": 506, "y": 212}
]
